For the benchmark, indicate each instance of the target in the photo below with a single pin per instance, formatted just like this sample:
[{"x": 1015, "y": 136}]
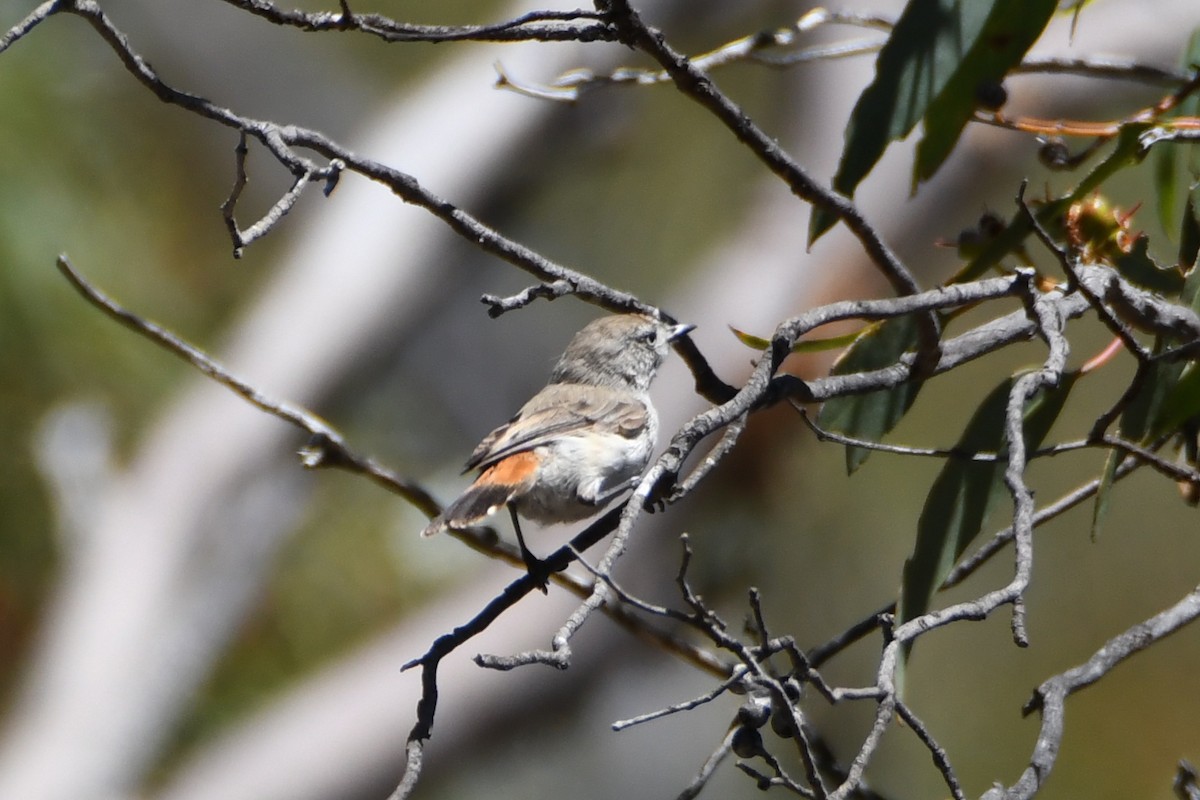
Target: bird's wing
[{"x": 561, "y": 409}]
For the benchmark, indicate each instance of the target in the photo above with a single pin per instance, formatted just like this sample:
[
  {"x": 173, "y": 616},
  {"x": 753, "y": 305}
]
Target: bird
[{"x": 581, "y": 441}]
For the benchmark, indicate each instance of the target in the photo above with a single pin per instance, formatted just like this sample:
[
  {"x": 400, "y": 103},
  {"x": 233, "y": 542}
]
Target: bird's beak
[{"x": 679, "y": 331}]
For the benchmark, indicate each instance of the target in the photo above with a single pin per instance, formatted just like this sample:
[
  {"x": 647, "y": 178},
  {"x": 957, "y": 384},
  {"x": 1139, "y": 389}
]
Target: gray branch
[{"x": 1050, "y": 697}]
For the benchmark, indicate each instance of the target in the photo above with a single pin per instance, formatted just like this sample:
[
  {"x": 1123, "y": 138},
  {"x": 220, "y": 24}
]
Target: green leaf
[
  {"x": 870, "y": 416},
  {"x": 1104, "y": 491},
  {"x": 803, "y": 346},
  {"x": 1143, "y": 418},
  {"x": 1166, "y": 171},
  {"x": 1166, "y": 400},
  {"x": 1190, "y": 107},
  {"x": 957, "y": 504},
  {"x": 1189, "y": 239},
  {"x": 931, "y": 43},
  {"x": 750, "y": 340},
  {"x": 1189, "y": 256},
  {"x": 1166, "y": 184},
  {"x": 1137, "y": 420},
  {"x": 1007, "y": 33},
  {"x": 1074, "y": 8},
  {"x": 1180, "y": 403},
  {"x": 1170, "y": 397},
  {"x": 1140, "y": 268}
]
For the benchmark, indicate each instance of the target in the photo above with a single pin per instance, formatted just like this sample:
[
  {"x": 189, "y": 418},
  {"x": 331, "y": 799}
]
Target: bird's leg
[{"x": 537, "y": 567}]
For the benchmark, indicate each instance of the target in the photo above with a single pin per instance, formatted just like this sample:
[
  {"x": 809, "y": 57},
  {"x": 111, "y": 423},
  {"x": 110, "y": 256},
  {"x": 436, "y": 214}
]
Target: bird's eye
[{"x": 647, "y": 335}]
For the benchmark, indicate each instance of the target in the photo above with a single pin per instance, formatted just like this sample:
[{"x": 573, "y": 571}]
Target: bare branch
[
  {"x": 714, "y": 628},
  {"x": 698, "y": 783},
  {"x": 881, "y": 447},
  {"x": 1049, "y": 321},
  {"x": 762, "y": 47},
  {"x": 1051, "y": 326},
  {"x": 243, "y": 238},
  {"x": 282, "y": 141},
  {"x": 548, "y": 291},
  {"x": 935, "y": 750},
  {"x": 1187, "y": 787},
  {"x": 693, "y": 82},
  {"x": 35, "y": 17},
  {"x": 864, "y": 627},
  {"x": 448, "y": 643},
  {"x": 980, "y": 341},
  {"x": 325, "y": 448},
  {"x": 1050, "y": 697},
  {"x": 559, "y": 656},
  {"x": 755, "y": 664},
  {"x": 662, "y": 475},
  {"x": 414, "y": 752},
  {"x": 1103, "y": 69},
  {"x": 713, "y": 457},
  {"x": 968, "y": 566},
  {"x": 780, "y": 778},
  {"x": 544, "y": 26},
  {"x": 780, "y": 48},
  {"x": 686, "y": 705}
]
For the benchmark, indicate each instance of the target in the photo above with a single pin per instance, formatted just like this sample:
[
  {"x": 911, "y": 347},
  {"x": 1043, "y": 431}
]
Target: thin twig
[
  {"x": 548, "y": 291},
  {"x": 414, "y": 751},
  {"x": 715, "y": 629},
  {"x": 325, "y": 448},
  {"x": 1168, "y": 468},
  {"x": 662, "y": 475},
  {"x": 697, "y": 784},
  {"x": 761, "y": 48},
  {"x": 1102, "y": 69},
  {"x": 1187, "y": 782},
  {"x": 1049, "y": 321},
  {"x": 543, "y": 26},
  {"x": 969, "y": 565},
  {"x": 1050, "y": 697},
  {"x": 686, "y": 705},
  {"x": 824, "y": 435},
  {"x": 694, "y": 83},
  {"x": 759, "y": 619},
  {"x": 711, "y": 459},
  {"x": 935, "y": 750},
  {"x": 780, "y": 778},
  {"x": 283, "y": 140},
  {"x": 856, "y": 632},
  {"x": 34, "y": 18},
  {"x": 243, "y": 238}
]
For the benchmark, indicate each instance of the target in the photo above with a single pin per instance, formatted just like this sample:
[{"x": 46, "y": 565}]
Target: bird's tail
[
  {"x": 476, "y": 504},
  {"x": 496, "y": 486}
]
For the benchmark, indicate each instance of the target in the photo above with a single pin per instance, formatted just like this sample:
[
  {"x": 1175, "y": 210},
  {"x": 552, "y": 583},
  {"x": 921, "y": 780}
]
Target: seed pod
[
  {"x": 991, "y": 95},
  {"x": 781, "y": 723},
  {"x": 747, "y": 742},
  {"x": 755, "y": 712}
]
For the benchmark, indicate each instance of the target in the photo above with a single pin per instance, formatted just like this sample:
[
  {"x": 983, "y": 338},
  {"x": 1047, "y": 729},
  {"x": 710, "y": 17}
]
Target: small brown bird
[{"x": 579, "y": 442}]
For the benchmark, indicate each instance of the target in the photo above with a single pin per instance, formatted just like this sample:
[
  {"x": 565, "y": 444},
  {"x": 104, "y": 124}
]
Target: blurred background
[{"x": 186, "y": 613}]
